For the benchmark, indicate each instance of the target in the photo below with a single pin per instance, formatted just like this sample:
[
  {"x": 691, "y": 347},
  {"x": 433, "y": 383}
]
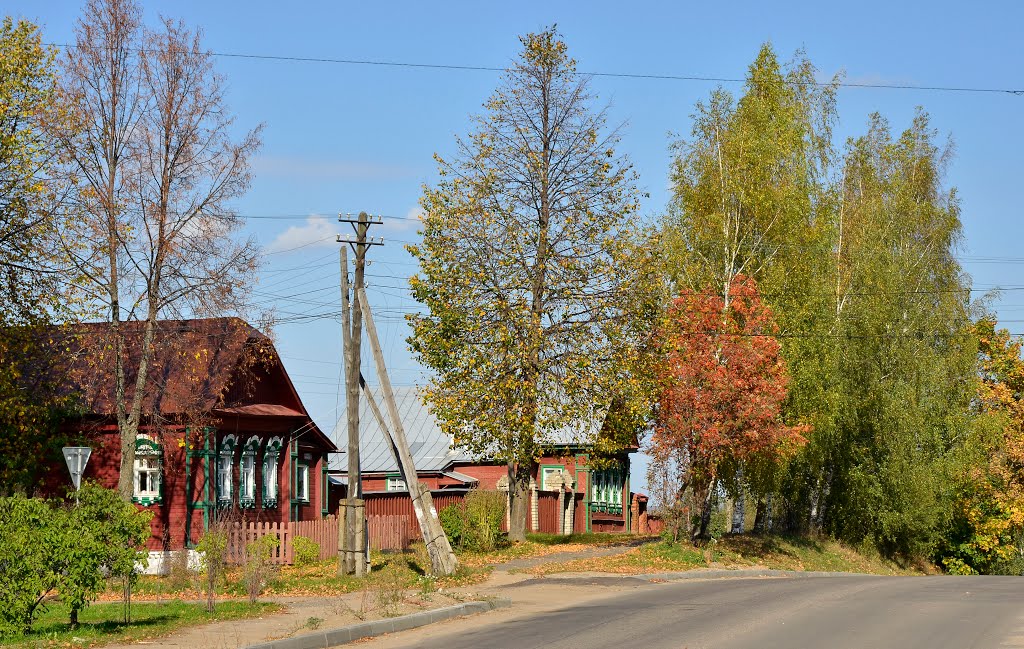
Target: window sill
[
  {"x": 146, "y": 501},
  {"x": 270, "y": 503},
  {"x": 247, "y": 503}
]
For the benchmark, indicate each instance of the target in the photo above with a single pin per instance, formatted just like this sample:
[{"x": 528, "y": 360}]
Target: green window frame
[
  {"x": 543, "y": 473},
  {"x": 606, "y": 490}
]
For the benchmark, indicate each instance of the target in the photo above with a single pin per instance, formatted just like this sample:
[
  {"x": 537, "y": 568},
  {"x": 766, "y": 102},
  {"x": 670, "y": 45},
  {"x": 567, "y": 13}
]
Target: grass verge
[
  {"x": 392, "y": 570},
  {"x": 541, "y": 545},
  {"x": 740, "y": 551},
  {"x": 102, "y": 623}
]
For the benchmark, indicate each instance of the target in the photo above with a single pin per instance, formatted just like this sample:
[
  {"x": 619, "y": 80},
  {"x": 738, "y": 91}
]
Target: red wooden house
[
  {"x": 591, "y": 499},
  {"x": 224, "y": 436}
]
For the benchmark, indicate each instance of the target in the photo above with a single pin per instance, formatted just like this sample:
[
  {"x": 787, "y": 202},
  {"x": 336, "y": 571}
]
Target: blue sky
[{"x": 344, "y": 138}]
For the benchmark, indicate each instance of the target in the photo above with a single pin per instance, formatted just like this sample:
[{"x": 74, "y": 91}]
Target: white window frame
[
  {"x": 395, "y": 483},
  {"x": 225, "y": 471},
  {"x": 247, "y": 477},
  {"x": 302, "y": 482},
  {"x": 224, "y": 466},
  {"x": 247, "y": 473},
  {"x": 271, "y": 466},
  {"x": 147, "y": 465},
  {"x": 270, "y": 476}
]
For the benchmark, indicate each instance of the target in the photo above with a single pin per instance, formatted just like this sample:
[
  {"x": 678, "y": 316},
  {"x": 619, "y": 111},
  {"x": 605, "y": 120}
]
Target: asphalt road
[{"x": 790, "y": 613}]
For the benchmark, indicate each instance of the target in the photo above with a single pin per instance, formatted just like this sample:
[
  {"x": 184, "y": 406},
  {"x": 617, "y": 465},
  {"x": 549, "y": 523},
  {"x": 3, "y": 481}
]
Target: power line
[{"x": 611, "y": 75}]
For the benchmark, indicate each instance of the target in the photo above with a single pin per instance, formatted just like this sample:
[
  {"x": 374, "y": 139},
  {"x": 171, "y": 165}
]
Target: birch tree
[
  {"x": 157, "y": 165},
  {"x": 528, "y": 271},
  {"x": 752, "y": 196},
  {"x": 909, "y": 354}
]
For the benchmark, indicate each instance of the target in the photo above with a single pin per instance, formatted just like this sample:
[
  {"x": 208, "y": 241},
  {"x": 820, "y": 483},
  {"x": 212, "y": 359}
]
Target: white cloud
[{"x": 317, "y": 232}]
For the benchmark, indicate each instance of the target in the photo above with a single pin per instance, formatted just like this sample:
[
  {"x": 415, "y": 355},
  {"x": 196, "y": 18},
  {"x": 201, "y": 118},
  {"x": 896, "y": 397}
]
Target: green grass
[{"x": 102, "y": 623}]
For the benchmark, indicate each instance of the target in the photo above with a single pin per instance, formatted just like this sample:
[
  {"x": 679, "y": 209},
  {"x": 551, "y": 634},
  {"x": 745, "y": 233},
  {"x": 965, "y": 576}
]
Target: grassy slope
[{"x": 774, "y": 552}]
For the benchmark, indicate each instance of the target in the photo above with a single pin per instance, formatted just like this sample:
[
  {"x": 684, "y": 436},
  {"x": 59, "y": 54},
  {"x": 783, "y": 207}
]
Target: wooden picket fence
[
  {"x": 389, "y": 531},
  {"x": 324, "y": 532}
]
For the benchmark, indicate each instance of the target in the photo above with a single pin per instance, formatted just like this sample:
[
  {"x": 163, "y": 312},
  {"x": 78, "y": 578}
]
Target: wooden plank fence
[
  {"x": 390, "y": 531},
  {"x": 324, "y": 532}
]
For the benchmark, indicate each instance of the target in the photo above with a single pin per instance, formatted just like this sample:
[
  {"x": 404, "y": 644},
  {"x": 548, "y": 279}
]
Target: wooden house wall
[{"x": 171, "y": 528}]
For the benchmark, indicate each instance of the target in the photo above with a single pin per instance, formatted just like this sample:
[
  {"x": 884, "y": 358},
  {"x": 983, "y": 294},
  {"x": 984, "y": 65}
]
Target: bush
[
  {"x": 30, "y": 541},
  {"x": 56, "y": 546},
  {"x": 258, "y": 565},
  {"x": 305, "y": 551},
  {"x": 475, "y": 523},
  {"x": 453, "y": 523},
  {"x": 103, "y": 534},
  {"x": 179, "y": 571},
  {"x": 485, "y": 511},
  {"x": 214, "y": 546}
]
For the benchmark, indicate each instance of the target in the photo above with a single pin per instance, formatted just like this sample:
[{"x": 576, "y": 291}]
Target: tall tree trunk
[
  {"x": 763, "y": 517},
  {"x": 519, "y": 500},
  {"x": 707, "y": 507},
  {"x": 130, "y": 429},
  {"x": 739, "y": 514}
]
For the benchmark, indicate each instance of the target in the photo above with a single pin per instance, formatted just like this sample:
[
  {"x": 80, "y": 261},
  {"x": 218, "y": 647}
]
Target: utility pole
[
  {"x": 352, "y": 538},
  {"x": 442, "y": 559}
]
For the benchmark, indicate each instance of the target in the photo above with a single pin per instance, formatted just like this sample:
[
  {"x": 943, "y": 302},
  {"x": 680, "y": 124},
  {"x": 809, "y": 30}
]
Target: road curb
[
  {"x": 351, "y": 633},
  {"x": 745, "y": 574}
]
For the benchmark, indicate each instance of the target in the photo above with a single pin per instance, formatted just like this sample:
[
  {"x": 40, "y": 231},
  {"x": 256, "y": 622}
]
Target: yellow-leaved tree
[
  {"x": 531, "y": 274},
  {"x": 987, "y": 534}
]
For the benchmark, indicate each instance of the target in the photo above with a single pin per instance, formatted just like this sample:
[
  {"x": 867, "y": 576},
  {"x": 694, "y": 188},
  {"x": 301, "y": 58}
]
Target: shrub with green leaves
[
  {"x": 453, "y": 522},
  {"x": 305, "y": 551},
  {"x": 258, "y": 564},
  {"x": 67, "y": 548},
  {"x": 475, "y": 523},
  {"x": 485, "y": 512},
  {"x": 30, "y": 540},
  {"x": 102, "y": 537},
  {"x": 214, "y": 548}
]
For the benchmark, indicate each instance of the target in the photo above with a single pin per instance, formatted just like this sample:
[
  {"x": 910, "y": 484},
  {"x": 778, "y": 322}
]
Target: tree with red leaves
[{"x": 724, "y": 383}]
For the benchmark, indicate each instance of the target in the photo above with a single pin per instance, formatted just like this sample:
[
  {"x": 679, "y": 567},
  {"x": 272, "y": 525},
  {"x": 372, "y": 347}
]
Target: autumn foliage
[
  {"x": 723, "y": 386},
  {"x": 988, "y": 521}
]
